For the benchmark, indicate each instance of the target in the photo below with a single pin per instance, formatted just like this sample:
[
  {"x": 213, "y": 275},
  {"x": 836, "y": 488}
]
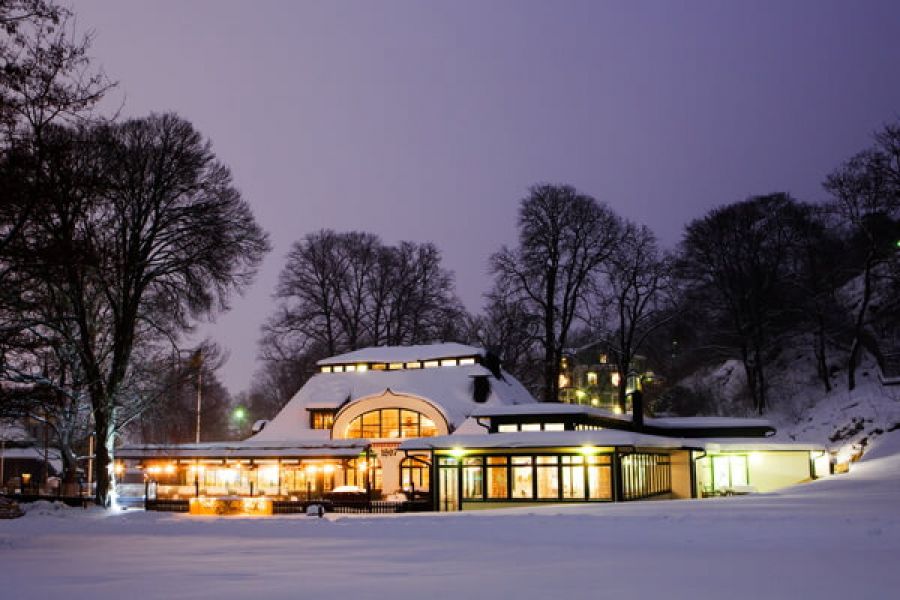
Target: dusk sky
[{"x": 428, "y": 121}]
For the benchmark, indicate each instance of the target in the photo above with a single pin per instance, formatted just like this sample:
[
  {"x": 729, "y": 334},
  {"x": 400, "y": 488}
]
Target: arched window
[{"x": 391, "y": 423}]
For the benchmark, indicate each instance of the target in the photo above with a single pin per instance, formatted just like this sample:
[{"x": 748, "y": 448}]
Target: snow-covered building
[{"x": 446, "y": 421}]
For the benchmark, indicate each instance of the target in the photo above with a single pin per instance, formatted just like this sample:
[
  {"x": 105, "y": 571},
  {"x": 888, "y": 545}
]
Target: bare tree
[
  {"x": 736, "y": 260},
  {"x": 633, "y": 292},
  {"x": 342, "y": 291},
  {"x": 150, "y": 236},
  {"x": 564, "y": 237},
  {"x": 46, "y": 78},
  {"x": 866, "y": 198}
]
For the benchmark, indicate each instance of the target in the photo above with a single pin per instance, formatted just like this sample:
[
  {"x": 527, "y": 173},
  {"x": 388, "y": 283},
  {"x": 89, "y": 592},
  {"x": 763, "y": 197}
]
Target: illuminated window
[
  {"x": 507, "y": 428},
  {"x": 391, "y": 423},
  {"x": 466, "y": 361},
  {"x": 350, "y": 368},
  {"x": 338, "y": 369},
  {"x": 449, "y": 362},
  {"x": 554, "y": 427},
  {"x": 430, "y": 364},
  {"x": 591, "y": 378},
  {"x": 362, "y": 368},
  {"x": 531, "y": 426},
  {"x": 413, "y": 365},
  {"x": 321, "y": 419},
  {"x": 395, "y": 366},
  {"x": 472, "y": 479},
  {"x": 326, "y": 369},
  {"x": 547, "y": 477},
  {"x": 522, "y": 478},
  {"x": 614, "y": 378},
  {"x": 414, "y": 475},
  {"x": 379, "y": 367}
]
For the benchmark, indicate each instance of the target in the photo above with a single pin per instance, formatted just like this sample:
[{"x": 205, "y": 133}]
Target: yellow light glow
[
  {"x": 154, "y": 469},
  {"x": 326, "y": 369},
  {"x": 350, "y": 368},
  {"x": 617, "y": 410},
  {"x": 120, "y": 468},
  {"x": 587, "y": 450},
  {"x": 269, "y": 475},
  {"x": 328, "y": 468},
  {"x": 580, "y": 394},
  {"x": 563, "y": 381},
  {"x": 363, "y": 466},
  {"x": 362, "y": 368},
  {"x": 615, "y": 379},
  {"x": 457, "y": 452},
  {"x": 170, "y": 469},
  {"x": 756, "y": 458},
  {"x": 311, "y": 468}
]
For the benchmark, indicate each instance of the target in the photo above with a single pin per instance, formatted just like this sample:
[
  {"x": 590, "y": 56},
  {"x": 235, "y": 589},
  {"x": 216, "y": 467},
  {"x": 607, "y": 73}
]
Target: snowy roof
[
  {"x": 545, "y": 408},
  {"x": 559, "y": 408},
  {"x": 448, "y": 389},
  {"x": 544, "y": 439},
  {"x": 705, "y": 422},
  {"x": 396, "y": 354},
  {"x": 246, "y": 449},
  {"x": 598, "y": 437}
]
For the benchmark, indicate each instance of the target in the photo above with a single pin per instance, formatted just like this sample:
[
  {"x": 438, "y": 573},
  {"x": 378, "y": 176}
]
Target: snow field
[{"x": 834, "y": 538}]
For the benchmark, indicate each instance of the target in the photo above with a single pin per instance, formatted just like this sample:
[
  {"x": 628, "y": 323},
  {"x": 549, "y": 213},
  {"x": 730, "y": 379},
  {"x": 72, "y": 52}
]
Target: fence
[{"x": 282, "y": 507}]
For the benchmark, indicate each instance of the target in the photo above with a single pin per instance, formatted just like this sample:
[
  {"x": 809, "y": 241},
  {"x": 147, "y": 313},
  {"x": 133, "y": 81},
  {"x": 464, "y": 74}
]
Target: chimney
[{"x": 637, "y": 410}]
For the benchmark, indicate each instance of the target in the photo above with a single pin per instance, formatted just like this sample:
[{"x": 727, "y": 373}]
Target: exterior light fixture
[
  {"x": 587, "y": 450},
  {"x": 457, "y": 452}
]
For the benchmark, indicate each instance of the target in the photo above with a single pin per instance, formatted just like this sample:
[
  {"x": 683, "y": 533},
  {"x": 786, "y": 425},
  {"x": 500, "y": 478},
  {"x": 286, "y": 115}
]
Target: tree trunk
[
  {"x": 820, "y": 351},
  {"x": 104, "y": 463}
]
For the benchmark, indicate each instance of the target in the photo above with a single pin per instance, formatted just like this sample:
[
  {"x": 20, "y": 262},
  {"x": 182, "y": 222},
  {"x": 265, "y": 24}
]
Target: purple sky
[{"x": 428, "y": 121}]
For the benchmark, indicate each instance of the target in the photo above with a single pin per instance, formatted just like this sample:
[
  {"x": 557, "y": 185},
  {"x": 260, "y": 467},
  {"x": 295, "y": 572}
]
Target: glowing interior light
[
  {"x": 328, "y": 468},
  {"x": 617, "y": 410},
  {"x": 614, "y": 379},
  {"x": 587, "y": 450},
  {"x": 457, "y": 451},
  {"x": 756, "y": 458},
  {"x": 362, "y": 368},
  {"x": 363, "y": 466},
  {"x": 311, "y": 468},
  {"x": 170, "y": 469}
]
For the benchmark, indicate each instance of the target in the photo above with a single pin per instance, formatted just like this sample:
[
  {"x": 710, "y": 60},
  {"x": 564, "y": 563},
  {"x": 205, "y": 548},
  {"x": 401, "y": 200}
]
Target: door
[{"x": 449, "y": 489}]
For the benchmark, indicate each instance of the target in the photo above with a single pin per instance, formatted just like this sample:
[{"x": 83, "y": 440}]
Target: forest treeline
[{"x": 748, "y": 280}]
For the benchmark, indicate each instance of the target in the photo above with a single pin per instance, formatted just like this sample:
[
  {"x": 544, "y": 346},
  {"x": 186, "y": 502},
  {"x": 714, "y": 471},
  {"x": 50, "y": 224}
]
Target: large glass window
[
  {"x": 522, "y": 479},
  {"x": 547, "y": 477},
  {"x": 415, "y": 474},
  {"x": 645, "y": 475},
  {"x": 472, "y": 479},
  {"x": 599, "y": 478},
  {"x": 573, "y": 477},
  {"x": 391, "y": 423},
  {"x": 497, "y": 477}
]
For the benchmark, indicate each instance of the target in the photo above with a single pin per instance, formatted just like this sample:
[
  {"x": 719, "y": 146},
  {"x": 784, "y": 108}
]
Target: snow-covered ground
[{"x": 834, "y": 538}]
